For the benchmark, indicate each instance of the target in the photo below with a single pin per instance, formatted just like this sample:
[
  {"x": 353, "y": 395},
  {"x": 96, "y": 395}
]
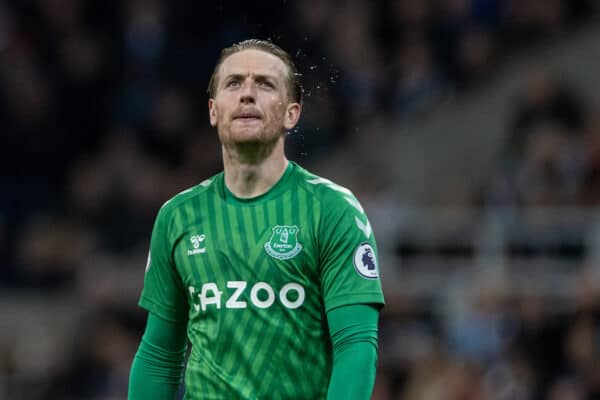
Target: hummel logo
[{"x": 196, "y": 241}]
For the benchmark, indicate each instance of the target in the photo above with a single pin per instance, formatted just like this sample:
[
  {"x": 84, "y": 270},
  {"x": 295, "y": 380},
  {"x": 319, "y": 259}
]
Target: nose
[{"x": 248, "y": 92}]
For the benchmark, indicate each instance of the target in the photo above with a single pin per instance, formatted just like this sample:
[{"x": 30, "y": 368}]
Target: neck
[{"x": 252, "y": 169}]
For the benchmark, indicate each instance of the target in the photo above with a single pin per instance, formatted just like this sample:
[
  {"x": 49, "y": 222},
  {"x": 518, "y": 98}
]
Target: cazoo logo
[{"x": 211, "y": 294}]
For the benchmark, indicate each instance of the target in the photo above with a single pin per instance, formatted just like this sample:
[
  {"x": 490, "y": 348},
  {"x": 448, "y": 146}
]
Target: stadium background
[{"x": 469, "y": 129}]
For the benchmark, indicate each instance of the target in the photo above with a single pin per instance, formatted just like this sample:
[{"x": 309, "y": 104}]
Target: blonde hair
[{"x": 293, "y": 79}]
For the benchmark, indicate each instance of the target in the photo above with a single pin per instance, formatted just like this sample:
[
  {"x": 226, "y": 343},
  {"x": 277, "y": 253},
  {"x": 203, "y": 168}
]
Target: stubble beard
[{"x": 250, "y": 150}]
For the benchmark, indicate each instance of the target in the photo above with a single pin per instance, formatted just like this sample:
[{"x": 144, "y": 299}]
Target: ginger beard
[{"x": 251, "y": 107}]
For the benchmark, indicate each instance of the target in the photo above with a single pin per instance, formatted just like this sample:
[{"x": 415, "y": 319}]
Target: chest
[{"x": 252, "y": 245}]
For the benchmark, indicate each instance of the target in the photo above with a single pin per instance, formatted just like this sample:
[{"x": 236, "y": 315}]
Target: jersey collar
[{"x": 273, "y": 192}]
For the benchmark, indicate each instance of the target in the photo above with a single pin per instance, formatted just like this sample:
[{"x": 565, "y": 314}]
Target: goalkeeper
[{"x": 270, "y": 272}]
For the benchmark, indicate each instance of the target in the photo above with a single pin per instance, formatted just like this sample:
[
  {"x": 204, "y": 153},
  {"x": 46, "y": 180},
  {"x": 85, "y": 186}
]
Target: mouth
[{"x": 247, "y": 117}]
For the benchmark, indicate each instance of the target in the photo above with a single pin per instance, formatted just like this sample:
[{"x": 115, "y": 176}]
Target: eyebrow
[{"x": 257, "y": 77}]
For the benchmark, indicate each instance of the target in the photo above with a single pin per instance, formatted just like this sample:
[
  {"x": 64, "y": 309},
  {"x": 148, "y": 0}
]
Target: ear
[
  {"x": 212, "y": 112},
  {"x": 292, "y": 115}
]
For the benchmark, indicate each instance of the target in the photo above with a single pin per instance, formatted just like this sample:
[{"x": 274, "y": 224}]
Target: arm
[
  {"x": 353, "y": 330},
  {"x": 158, "y": 364}
]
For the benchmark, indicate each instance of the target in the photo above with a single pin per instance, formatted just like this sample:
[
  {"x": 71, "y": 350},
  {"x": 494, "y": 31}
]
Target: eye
[
  {"x": 266, "y": 84},
  {"x": 233, "y": 83}
]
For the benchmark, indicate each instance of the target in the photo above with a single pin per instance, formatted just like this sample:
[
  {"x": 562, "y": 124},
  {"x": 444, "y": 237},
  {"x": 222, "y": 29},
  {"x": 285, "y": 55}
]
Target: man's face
[{"x": 251, "y": 104}]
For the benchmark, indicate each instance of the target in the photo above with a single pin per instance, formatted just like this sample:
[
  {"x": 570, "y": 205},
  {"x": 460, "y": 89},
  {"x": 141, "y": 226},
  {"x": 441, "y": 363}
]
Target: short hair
[{"x": 293, "y": 83}]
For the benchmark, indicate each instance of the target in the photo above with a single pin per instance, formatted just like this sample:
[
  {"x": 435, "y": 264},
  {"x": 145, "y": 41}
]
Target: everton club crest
[{"x": 283, "y": 243}]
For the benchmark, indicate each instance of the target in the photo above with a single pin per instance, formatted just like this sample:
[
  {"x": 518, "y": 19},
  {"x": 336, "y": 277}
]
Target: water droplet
[{"x": 313, "y": 67}]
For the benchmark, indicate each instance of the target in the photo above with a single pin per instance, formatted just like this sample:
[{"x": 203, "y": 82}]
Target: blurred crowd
[
  {"x": 498, "y": 344},
  {"x": 103, "y": 118}
]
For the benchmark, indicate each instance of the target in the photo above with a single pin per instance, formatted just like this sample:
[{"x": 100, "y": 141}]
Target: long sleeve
[
  {"x": 353, "y": 331},
  {"x": 157, "y": 368}
]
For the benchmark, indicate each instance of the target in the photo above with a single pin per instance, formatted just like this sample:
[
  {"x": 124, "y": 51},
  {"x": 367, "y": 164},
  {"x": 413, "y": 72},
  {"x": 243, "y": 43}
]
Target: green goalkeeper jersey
[{"x": 254, "y": 280}]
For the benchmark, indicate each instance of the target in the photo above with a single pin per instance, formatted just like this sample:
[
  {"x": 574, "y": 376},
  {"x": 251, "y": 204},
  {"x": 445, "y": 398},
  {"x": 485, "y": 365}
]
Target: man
[{"x": 267, "y": 269}]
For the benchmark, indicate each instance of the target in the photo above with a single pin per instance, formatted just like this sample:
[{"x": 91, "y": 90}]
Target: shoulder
[
  {"x": 188, "y": 195},
  {"x": 327, "y": 192}
]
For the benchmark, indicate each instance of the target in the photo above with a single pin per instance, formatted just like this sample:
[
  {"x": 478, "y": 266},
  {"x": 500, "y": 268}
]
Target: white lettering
[
  {"x": 196, "y": 251},
  {"x": 254, "y": 295},
  {"x": 239, "y": 287},
  {"x": 214, "y": 299},
  {"x": 210, "y": 294},
  {"x": 283, "y": 295}
]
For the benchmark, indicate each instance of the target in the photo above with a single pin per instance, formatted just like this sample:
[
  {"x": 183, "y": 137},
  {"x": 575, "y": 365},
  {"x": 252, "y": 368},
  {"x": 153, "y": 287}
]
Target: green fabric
[
  {"x": 157, "y": 368},
  {"x": 255, "y": 278},
  {"x": 353, "y": 331}
]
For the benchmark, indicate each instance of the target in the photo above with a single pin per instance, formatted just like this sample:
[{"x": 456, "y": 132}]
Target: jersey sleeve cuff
[
  {"x": 165, "y": 313},
  {"x": 348, "y": 299}
]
